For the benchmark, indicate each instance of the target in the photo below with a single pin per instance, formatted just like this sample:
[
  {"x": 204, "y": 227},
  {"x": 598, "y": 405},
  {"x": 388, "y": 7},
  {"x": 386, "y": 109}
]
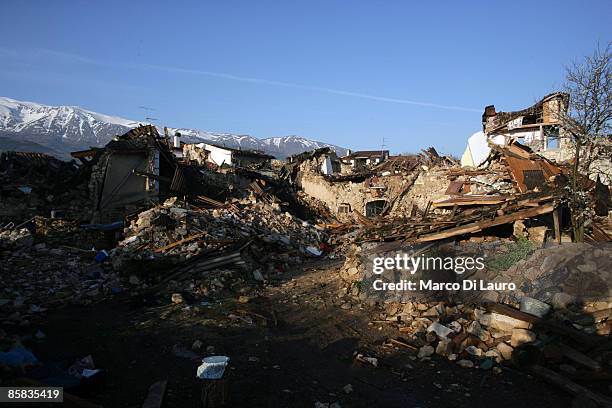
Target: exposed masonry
[{"x": 375, "y": 191}]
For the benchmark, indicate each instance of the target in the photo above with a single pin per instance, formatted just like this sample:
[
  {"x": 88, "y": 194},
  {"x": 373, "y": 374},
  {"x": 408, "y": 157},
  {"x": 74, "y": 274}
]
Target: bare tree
[{"x": 587, "y": 123}]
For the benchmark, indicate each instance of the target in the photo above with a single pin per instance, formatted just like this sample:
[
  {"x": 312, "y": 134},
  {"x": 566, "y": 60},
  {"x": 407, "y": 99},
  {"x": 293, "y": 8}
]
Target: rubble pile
[
  {"x": 561, "y": 310},
  {"x": 36, "y": 184},
  {"x": 175, "y": 228},
  {"x": 35, "y": 277}
]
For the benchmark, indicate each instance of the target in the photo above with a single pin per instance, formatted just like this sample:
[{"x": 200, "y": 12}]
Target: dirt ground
[{"x": 292, "y": 346}]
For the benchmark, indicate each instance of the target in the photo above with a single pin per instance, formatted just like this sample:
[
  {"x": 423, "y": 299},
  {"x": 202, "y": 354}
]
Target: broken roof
[
  {"x": 243, "y": 152},
  {"x": 310, "y": 154},
  {"x": 367, "y": 153},
  {"x": 494, "y": 121},
  {"x": 136, "y": 139}
]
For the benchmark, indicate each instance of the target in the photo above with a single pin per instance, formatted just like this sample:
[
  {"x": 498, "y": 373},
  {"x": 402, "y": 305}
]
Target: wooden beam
[
  {"x": 570, "y": 386},
  {"x": 483, "y": 224},
  {"x": 470, "y": 200},
  {"x": 180, "y": 242},
  {"x": 155, "y": 398},
  {"x": 557, "y": 222}
]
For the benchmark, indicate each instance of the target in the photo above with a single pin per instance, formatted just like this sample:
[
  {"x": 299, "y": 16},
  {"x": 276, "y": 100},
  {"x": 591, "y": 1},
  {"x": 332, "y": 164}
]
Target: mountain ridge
[{"x": 64, "y": 128}]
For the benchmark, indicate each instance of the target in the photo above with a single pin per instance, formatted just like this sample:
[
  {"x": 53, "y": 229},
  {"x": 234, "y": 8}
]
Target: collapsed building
[
  {"x": 196, "y": 223},
  {"x": 221, "y": 156},
  {"x": 538, "y": 127},
  {"x": 38, "y": 184},
  {"x": 364, "y": 159},
  {"x": 135, "y": 170},
  {"x": 396, "y": 185}
]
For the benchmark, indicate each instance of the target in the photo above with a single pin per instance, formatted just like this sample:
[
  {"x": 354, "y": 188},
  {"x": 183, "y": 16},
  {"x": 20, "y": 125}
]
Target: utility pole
[{"x": 382, "y": 148}]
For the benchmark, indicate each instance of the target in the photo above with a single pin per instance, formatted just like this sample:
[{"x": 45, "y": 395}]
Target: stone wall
[{"x": 429, "y": 185}]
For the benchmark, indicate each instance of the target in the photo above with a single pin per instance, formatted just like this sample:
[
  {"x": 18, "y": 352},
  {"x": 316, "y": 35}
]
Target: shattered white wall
[{"x": 219, "y": 155}]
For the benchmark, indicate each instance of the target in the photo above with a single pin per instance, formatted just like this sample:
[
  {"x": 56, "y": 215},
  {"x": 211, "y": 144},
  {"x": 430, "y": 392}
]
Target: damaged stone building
[
  {"x": 135, "y": 170},
  {"x": 398, "y": 184},
  {"x": 364, "y": 159},
  {"x": 537, "y": 127}
]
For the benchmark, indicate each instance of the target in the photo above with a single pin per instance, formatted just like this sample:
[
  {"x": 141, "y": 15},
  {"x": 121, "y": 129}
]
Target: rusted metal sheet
[{"x": 520, "y": 168}]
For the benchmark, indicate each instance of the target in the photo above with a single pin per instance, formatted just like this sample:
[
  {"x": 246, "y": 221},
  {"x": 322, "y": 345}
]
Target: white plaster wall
[{"x": 218, "y": 155}]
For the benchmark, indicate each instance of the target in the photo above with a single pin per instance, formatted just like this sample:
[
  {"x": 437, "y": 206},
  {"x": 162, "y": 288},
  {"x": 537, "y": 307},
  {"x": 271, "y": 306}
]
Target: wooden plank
[
  {"x": 579, "y": 357},
  {"x": 470, "y": 200},
  {"x": 402, "y": 344},
  {"x": 480, "y": 225},
  {"x": 557, "y": 222},
  {"x": 570, "y": 386},
  {"x": 180, "y": 242},
  {"x": 454, "y": 188},
  {"x": 363, "y": 219},
  {"x": 155, "y": 398}
]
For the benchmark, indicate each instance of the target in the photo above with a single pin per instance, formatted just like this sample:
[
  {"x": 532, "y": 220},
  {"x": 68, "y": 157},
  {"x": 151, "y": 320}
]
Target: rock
[
  {"x": 522, "y": 336},
  {"x": 537, "y": 235},
  {"x": 561, "y": 300},
  {"x": 534, "y": 307},
  {"x": 588, "y": 267},
  {"x": 197, "y": 345},
  {"x": 485, "y": 320},
  {"x": 520, "y": 231},
  {"x": 391, "y": 308},
  {"x": 455, "y": 326},
  {"x": 345, "y": 306},
  {"x": 474, "y": 351},
  {"x": 444, "y": 347},
  {"x": 475, "y": 329},
  {"x": 490, "y": 296},
  {"x": 494, "y": 354},
  {"x": 486, "y": 364},
  {"x": 210, "y": 349},
  {"x": 551, "y": 262},
  {"x": 134, "y": 280},
  {"x": 434, "y": 311},
  {"x": 348, "y": 388},
  {"x": 532, "y": 273},
  {"x": 465, "y": 363},
  {"x": 425, "y": 351},
  {"x": 506, "y": 323},
  {"x": 441, "y": 331},
  {"x": 505, "y": 350},
  {"x": 257, "y": 275},
  {"x": 177, "y": 298}
]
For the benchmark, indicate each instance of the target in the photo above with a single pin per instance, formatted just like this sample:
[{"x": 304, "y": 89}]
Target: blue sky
[{"x": 344, "y": 72}]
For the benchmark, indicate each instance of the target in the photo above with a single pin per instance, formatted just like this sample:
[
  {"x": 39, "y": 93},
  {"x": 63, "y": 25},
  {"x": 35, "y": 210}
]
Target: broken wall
[{"x": 342, "y": 198}]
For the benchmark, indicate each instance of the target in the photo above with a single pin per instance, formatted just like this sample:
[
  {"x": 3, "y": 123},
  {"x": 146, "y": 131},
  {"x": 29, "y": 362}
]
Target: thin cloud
[{"x": 84, "y": 60}]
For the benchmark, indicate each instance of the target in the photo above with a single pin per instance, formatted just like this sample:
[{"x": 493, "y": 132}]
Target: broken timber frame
[{"x": 482, "y": 224}]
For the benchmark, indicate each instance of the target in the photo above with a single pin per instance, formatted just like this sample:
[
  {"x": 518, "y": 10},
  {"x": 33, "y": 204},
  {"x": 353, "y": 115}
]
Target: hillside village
[{"x": 200, "y": 249}]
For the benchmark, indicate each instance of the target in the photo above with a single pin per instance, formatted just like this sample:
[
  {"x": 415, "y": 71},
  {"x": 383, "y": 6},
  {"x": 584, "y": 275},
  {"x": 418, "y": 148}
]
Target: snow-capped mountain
[
  {"x": 59, "y": 127},
  {"x": 67, "y": 128}
]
